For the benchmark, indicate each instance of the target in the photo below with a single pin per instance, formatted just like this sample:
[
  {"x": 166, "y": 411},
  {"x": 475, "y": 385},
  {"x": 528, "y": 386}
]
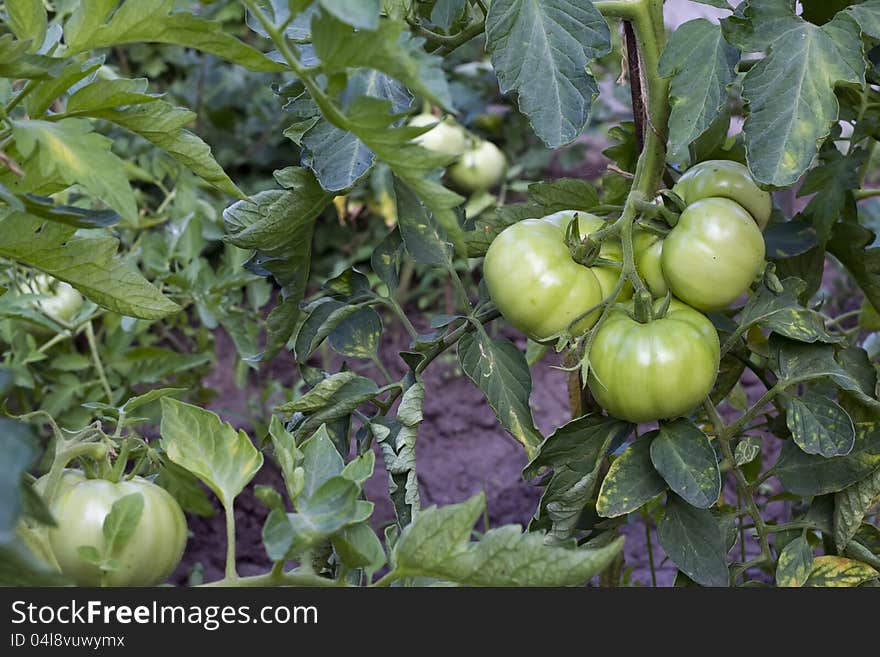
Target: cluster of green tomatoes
[
  {"x": 479, "y": 164},
  {"x": 643, "y": 366}
]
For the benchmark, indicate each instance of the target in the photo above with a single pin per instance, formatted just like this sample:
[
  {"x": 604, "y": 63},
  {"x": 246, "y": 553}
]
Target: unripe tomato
[
  {"x": 446, "y": 137},
  {"x": 713, "y": 254},
  {"x": 534, "y": 281},
  {"x": 148, "y": 557},
  {"x": 660, "y": 369},
  {"x": 725, "y": 179},
  {"x": 58, "y": 300},
  {"x": 648, "y": 250},
  {"x": 479, "y": 168}
]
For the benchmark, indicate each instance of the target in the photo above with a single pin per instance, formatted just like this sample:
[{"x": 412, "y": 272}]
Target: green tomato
[
  {"x": 58, "y": 300},
  {"x": 648, "y": 250},
  {"x": 479, "y": 168},
  {"x": 534, "y": 281},
  {"x": 445, "y": 137},
  {"x": 725, "y": 179},
  {"x": 147, "y": 558},
  {"x": 713, "y": 254},
  {"x": 660, "y": 369}
]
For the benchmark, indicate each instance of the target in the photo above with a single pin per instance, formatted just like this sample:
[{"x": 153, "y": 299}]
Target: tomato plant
[{"x": 237, "y": 238}]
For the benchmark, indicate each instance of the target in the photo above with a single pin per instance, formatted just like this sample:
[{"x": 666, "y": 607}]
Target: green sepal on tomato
[
  {"x": 80, "y": 507},
  {"x": 536, "y": 284},
  {"x": 663, "y": 368}
]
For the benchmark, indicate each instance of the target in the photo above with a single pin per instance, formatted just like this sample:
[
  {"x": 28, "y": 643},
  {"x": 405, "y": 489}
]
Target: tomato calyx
[
  {"x": 585, "y": 250},
  {"x": 655, "y": 210}
]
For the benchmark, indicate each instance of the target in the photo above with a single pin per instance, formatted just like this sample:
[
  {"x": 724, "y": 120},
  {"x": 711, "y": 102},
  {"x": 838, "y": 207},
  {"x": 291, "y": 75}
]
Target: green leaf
[
  {"x": 18, "y": 567},
  {"x": 795, "y": 362},
  {"x": 148, "y": 21},
  {"x": 17, "y": 62},
  {"x": 331, "y": 507},
  {"x": 564, "y": 194},
  {"x": 438, "y": 545},
  {"x": 149, "y": 397},
  {"x": 288, "y": 456},
  {"x": 867, "y": 15},
  {"x": 851, "y": 243},
  {"x": 370, "y": 119},
  {"x": 831, "y": 571},
  {"x": 28, "y": 20},
  {"x": 386, "y": 260},
  {"x": 359, "y": 547},
  {"x": 855, "y": 550},
  {"x": 541, "y": 52},
  {"x": 832, "y": 183},
  {"x": 701, "y": 64},
  {"x": 425, "y": 240},
  {"x": 19, "y": 449},
  {"x": 279, "y": 224},
  {"x": 783, "y": 314},
  {"x": 490, "y": 223},
  {"x": 575, "y": 452},
  {"x": 397, "y": 440},
  {"x": 71, "y": 152},
  {"x": 185, "y": 488},
  {"x": 795, "y": 563},
  {"x": 790, "y": 93},
  {"x": 11, "y": 199},
  {"x": 91, "y": 555},
  {"x": 122, "y": 102},
  {"x": 446, "y": 12},
  {"x": 48, "y": 91},
  {"x": 360, "y": 469},
  {"x": 325, "y": 501},
  {"x": 359, "y": 335},
  {"x": 199, "y": 441},
  {"x": 87, "y": 263},
  {"x": 338, "y": 158},
  {"x": 819, "y": 425},
  {"x": 44, "y": 208},
  {"x": 692, "y": 538},
  {"x": 720, "y": 4},
  {"x": 851, "y": 505},
  {"x": 631, "y": 481},
  {"x": 357, "y": 13},
  {"x": 334, "y": 397},
  {"x": 787, "y": 239},
  {"x": 685, "y": 458},
  {"x": 321, "y": 461},
  {"x": 806, "y": 474},
  {"x": 325, "y": 314},
  {"x": 269, "y": 497},
  {"x": 500, "y": 370},
  {"x": 388, "y": 49},
  {"x": 122, "y": 522}
]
